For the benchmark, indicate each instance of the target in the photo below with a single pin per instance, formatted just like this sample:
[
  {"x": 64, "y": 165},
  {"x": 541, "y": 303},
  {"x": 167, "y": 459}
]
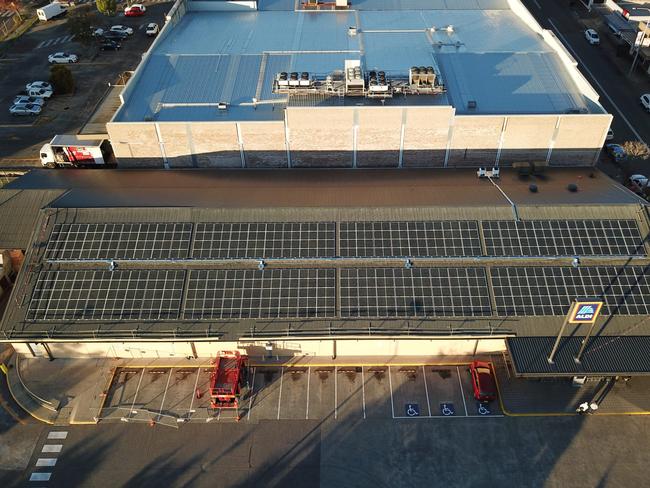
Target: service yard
[{"x": 26, "y": 61}]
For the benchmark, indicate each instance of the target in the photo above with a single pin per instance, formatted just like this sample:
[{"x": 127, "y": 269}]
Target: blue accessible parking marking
[
  {"x": 447, "y": 409},
  {"x": 412, "y": 410},
  {"x": 483, "y": 408}
]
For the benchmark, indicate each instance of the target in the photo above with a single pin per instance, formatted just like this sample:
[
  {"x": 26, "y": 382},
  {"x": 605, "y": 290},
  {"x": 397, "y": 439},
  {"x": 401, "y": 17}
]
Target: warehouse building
[
  {"x": 328, "y": 263},
  {"x": 407, "y": 83}
]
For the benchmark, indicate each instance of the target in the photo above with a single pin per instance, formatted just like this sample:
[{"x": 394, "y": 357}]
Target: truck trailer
[
  {"x": 51, "y": 11},
  {"x": 65, "y": 150}
]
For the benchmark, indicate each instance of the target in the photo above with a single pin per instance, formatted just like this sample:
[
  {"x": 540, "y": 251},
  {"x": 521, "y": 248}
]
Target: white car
[
  {"x": 97, "y": 31},
  {"x": 25, "y": 99},
  {"x": 25, "y": 109},
  {"x": 38, "y": 84},
  {"x": 39, "y": 92},
  {"x": 637, "y": 183},
  {"x": 152, "y": 29},
  {"x": 122, "y": 29},
  {"x": 645, "y": 101},
  {"x": 62, "y": 58},
  {"x": 592, "y": 37}
]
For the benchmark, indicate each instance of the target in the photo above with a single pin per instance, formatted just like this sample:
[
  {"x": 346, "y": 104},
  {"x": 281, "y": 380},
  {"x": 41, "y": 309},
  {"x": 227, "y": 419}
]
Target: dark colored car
[
  {"x": 114, "y": 36},
  {"x": 616, "y": 152},
  {"x": 483, "y": 382},
  {"x": 110, "y": 46}
]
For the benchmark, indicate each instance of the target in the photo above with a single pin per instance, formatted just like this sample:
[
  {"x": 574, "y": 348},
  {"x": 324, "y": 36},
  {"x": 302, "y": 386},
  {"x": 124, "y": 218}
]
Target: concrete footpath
[{"x": 75, "y": 391}]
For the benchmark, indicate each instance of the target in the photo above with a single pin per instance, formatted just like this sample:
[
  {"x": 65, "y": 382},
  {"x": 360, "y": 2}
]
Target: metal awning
[{"x": 603, "y": 356}]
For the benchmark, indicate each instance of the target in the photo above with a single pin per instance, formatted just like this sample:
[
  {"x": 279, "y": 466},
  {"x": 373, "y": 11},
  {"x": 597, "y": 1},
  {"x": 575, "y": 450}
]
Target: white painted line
[
  {"x": 308, "y": 380},
  {"x": 40, "y": 44},
  {"x": 390, "y": 384},
  {"x": 162, "y": 403},
  {"x": 537, "y": 4},
  {"x": 252, "y": 394},
  {"x": 48, "y": 42},
  {"x": 42, "y": 462},
  {"x": 595, "y": 80},
  {"x": 336, "y": 392},
  {"x": 137, "y": 389},
  {"x": 462, "y": 392},
  {"x": 52, "y": 448},
  {"x": 196, "y": 383},
  {"x": 445, "y": 417},
  {"x": 363, "y": 393},
  {"x": 426, "y": 389},
  {"x": 57, "y": 435},
  {"x": 280, "y": 395},
  {"x": 40, "y": 477}
]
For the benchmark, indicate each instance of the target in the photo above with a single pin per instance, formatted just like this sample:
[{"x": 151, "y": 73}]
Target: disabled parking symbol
[
  {"x": 483, "y": 409},
  {"x": 447, "y": 409},
  {"x": 412, "y": 410}
]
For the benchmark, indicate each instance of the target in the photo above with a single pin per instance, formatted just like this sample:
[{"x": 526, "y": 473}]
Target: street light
[{"x": 639, "y": 46}]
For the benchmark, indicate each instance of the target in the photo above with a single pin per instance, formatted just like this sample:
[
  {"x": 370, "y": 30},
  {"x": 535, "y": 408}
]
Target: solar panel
[
  {"x": 215, "y": 240},
  {"x": 119, "y": 241},
  {"x": 251, "y": 293},
  {"x": 562, "y": 238},
  {"x": 107, "y": 295},
  {"x": 550, "y": 290},
  {"x": 416, "y": 292},
  {"x": 410, "y": 239}
]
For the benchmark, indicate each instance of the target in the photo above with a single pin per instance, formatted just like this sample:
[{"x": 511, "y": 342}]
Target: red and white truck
[{"x": 68, "y": 150}]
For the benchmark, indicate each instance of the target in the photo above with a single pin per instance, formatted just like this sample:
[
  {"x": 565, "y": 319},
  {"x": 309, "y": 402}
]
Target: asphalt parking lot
[
  {"x": 174, "y": 395},
  {"x": 26, "y": 60}
]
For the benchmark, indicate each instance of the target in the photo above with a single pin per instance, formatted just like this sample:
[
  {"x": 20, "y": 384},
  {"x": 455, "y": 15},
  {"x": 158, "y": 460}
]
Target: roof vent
[
  {"x": 352, "y": 31},
  {"x": 449, "y": 28},
  {"x": 533, "y": 188},
  {"x": 222, "y": 106},
  {"x": 572, "y": 187},
  {"x": 432, "y": 28},
  {"x": 471, "y": 104}
]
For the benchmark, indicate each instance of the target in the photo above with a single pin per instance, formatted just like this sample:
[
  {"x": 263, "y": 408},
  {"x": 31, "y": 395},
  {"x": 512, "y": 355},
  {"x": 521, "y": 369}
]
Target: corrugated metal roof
[{"x": 605, "y": 355}]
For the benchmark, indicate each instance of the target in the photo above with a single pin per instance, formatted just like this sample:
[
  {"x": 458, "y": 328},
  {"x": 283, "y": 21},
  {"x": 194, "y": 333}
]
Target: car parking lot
[{"x": 339, "y": 393}]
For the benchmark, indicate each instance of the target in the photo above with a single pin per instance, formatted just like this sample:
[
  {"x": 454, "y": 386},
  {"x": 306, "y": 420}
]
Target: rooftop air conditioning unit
[
  {"x": 342, "y": 3},
  {"x": 352, "y": 31},
  {"x": 222, "y": 106}
]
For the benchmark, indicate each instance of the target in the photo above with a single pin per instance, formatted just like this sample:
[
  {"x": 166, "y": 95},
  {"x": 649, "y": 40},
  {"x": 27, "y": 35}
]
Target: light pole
[{"x": 638, "y": 48}]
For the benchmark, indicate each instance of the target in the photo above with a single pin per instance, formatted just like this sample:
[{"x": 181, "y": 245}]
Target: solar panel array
[
  {"x": 416, "y": 292},
  {"x": 264, "y": 240},
  {"x": 249, "y": 293},
  {"x": 452, "y": 238},
  {"x": 562, "y": 238},
  {"x": 550, "y": 290},
  {"x": 106, "y": 295},
  {"x": 119, "y": 241}
]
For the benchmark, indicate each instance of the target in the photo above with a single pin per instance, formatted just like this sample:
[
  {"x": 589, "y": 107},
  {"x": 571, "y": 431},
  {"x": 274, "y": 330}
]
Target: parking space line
[
  {"x": 426, "y": 389},
  {"x": 390, "y": 384},
  {"x": 336, "y": 394},
  {"x": 280, "y": 395},
  {"x": 162, "y": 403},
  {"x": 308, "y": 379},
  {"x": 52, "y": 448},
  {"x": 137, "y": 389},
  {"x": 445, "y": 417},
  {"x": 462, "y": 392},
  {"x": 252, "y": 394},
  {"x": 57, "y": 435},
  {"x": 363, "y": 393},
  {"x": 40, "y": 477},
  {"x": 196, "y": 383}
]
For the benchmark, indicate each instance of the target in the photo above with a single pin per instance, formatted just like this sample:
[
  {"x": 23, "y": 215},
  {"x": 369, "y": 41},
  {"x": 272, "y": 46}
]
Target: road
[{"x": 607, "y": 74}]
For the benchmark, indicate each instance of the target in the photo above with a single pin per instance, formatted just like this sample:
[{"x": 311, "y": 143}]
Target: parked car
[
  {"x": 25, "y": 99},
  {"x": 637, "y": 183},
  {"x": 62, "y": 58},
  {"x": 38, "y": 92},
  {"x": 616, "y": 152},
  {"x": 97, "y": 31},
  {"x": 38, "y": 84},
  {"x": 483, "y": 383},
  {"x": 152, "y": 29},
  {"x": 25, "y": 109},
  {"x": 645, "y": 101},
  {"x": 592, "y": 37},
  {"x": 135, "y": 10},
  {"x": 122, "y": 29},
  {"x": 114, "y": 36},
  {"x": 109, "y": 45}
]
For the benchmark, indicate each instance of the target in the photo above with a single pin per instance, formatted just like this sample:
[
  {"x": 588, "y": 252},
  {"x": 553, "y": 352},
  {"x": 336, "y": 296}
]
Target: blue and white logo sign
[
  {"x": 412, "y": 410},
  {"x": 585, "y": 312}
]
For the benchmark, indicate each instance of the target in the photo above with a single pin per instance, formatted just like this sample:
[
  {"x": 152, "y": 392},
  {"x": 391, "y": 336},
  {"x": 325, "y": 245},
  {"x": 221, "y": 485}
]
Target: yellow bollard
[{"x": 4, "y": 369}]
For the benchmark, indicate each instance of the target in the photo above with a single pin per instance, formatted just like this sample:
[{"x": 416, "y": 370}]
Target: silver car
[
  {"x": 25, "y": 99},
  {"x": 25, "y": 109}
]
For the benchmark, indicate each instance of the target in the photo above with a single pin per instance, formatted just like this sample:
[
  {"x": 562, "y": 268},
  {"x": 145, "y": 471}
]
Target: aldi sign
[{"x": 585, "y": 312}]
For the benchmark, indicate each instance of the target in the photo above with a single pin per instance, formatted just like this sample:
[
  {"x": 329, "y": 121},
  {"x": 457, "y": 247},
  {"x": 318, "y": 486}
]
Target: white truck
[
  {"x": 68, "y": 150},
  {"x": 51, "y": 11}
]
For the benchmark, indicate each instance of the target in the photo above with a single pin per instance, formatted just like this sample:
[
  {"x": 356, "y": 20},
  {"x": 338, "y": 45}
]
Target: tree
[
  {"x": 636, "y": 149},
  {"x": 61, "y": 78},
  {"x": 80, "y": 25},
  {"x": 107, "y": 7},
  {"x": 12, "y": 5}
]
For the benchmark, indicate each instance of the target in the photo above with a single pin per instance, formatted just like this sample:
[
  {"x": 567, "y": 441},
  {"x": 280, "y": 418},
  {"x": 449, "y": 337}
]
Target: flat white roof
[{"x": 490, "y": 56}]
